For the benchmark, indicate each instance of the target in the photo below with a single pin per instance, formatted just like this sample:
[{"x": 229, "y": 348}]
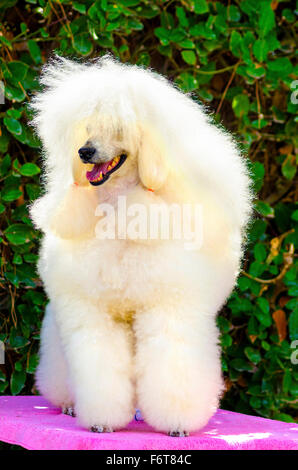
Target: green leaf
[
  {"x": 241, "y": 365},
  {"x": 263, "y": 304},
  {"x": 236, "y": 43},
  {"x": 82, "y": 44},
  {"x": 288, "y": 15},
  {"x": 2, "y": 376},
  {"x": 284, "y": 417},
  {"x": 255, "y": 402},
  {"x": 13, "y": 125},
  {"x": 148, "y": 11},
  {"x": 240, "y": 105},
  {"x": 256, "y": 269},
  {"x": 18, "y": 234},
  {"x": 226, "y": 341},
  {"x": 287, "y": 381},
  {"x": 205, "y": 95},
  {"x": 29, "y": 169},
  {"x": 35, "y": 51},
  {"x": 264, "y": 209},
  {"x": 265, "y": 345},
  {"x": 255, "y": 71},
  {"x": 17, "y": 341},
  {"x": 260, "y": 252},
  {"x": 187, "y": 44},
  {"x": 187, "y": 81},
  {"x": 267, "y": 18},
  {"x": 258, "y": 173},
  {"x": 17, "y": 259},
  {"x": 14, "y": 113},
  {"x": 80, "y": 7},
  {"x": 264, "y": 318},
  {"x": 177, "y": 35},
  {"x": 5, "y": 165},
  {"x": 180, "y": 13},
  {"x": 113, "y": 26},
  {"x": 293, "y": 325},
  {"x": 18, "y": 70},
  {"x": 244, "y": 283},
  {"x": 224, "y": 365},
  {"x": 135, "y": 25},
  {"x": 17, "y": 382},
  {"x": 30, "y": 258},
  {"x": 32, "y": 364},
  {"x": 252, "y": 354},
  {"x": 223, "y": 324},
  {"x": 165, "y": 50},
  {"x": 233, "y": 13},
  {"x": 260, "y": 49},
  {"x": 189, "y": 57},
  {"x": 257, "y": 230},
  {"x": 294, "y": 389},
  {"x": 3, "y": 39},
  {"x": 200, "y": 6},
  {"x": 293, "y": 291},
  {"x": 33, "y": 191},
  {"x": 4, "y": 140},
  {"x": 289, "y": 167},
  {"x": 163, "y": 35},
  {"x": 130, "y": 3},
  {"x": 282, "y": 65},
  {"x": 10, "y": 194},
  {"x": 201, "y": 30}
]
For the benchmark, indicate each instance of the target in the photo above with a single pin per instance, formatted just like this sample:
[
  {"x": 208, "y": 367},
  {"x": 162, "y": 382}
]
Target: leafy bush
[{"x": 237, "y": 58}]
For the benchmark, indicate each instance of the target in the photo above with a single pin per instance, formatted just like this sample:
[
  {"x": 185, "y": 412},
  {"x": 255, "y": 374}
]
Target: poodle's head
[{"x": 103, "y": 122}]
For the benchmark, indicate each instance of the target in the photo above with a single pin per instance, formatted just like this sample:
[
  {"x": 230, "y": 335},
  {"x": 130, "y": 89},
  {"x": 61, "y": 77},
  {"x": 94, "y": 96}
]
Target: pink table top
[{"x": 33, "y": 423}]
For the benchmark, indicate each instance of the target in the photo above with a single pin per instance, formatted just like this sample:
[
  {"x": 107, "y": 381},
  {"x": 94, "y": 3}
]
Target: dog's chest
[{"x": 113, "y": 271}]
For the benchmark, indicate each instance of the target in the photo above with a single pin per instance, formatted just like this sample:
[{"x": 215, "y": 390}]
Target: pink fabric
[{"x": 33, "y": 423}]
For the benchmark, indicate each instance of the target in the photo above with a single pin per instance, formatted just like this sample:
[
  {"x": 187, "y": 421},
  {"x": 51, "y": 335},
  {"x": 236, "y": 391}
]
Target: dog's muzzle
[{"x": 100, "y": 172}]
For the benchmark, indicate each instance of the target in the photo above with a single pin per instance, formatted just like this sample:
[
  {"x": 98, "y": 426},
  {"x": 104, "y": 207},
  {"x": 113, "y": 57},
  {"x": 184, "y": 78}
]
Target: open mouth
[{"x": 102, "y": 171}]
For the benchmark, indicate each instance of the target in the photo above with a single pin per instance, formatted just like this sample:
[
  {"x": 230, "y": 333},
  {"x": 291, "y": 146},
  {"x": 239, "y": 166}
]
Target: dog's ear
[{"x": 152, "y": 159}]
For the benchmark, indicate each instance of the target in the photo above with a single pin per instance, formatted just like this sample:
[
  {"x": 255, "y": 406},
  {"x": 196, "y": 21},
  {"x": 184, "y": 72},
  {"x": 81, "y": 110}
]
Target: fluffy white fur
[{"x": 167, "y": 359}]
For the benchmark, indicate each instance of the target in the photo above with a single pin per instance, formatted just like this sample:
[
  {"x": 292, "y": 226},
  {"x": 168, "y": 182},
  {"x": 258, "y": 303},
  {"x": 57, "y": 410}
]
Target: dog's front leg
[
  {"x": 99, "y": 360},
  {"x": 178, "y": 367}
]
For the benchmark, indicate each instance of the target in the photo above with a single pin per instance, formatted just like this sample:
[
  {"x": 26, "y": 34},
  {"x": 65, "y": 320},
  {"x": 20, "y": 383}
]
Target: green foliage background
[{"x": 235, "y": 56}]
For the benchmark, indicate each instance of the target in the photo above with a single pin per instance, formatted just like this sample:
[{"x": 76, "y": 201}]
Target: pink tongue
[{"x": 98, "y": 167}]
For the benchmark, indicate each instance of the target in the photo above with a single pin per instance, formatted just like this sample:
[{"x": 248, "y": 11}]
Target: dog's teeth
[
  {"x": 112, "y": 165},
  {"x": 115, "y": 161},
  {"x": 99, "y": 178}
]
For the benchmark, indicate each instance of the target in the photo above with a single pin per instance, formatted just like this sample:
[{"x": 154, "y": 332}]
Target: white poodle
[{"x": 132, "y": 320}]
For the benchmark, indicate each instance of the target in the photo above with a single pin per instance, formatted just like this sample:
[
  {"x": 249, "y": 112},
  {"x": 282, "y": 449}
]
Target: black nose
[{"x": 86, "y": 153}]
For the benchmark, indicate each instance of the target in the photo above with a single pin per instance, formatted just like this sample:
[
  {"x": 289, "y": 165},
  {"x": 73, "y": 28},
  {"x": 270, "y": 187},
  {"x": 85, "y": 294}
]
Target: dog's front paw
[
  {"x": 99, "y": 428},
  {"x": 178, "y": 433},
  {"x": 68, "y": 410}
]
